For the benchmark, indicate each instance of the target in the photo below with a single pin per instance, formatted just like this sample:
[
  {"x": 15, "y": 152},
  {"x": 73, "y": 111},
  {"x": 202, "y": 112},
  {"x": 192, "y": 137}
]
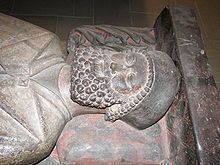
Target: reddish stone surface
[
  {"x": 88, "y": 139},
  {"x": 94, "y": 139}
]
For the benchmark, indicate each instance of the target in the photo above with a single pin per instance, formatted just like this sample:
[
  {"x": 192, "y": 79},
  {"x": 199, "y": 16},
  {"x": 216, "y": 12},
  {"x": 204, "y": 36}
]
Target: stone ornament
[{"x": 109, "y": 36}]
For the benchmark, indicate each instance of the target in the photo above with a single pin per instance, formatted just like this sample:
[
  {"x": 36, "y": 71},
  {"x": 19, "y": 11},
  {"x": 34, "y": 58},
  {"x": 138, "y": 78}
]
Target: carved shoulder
[
  {"x": 26, "y": 49},
  {"x": 32, "y": 113}
]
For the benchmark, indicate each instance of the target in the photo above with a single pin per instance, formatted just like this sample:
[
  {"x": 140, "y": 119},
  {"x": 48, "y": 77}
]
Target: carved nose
[{"x": 112, "y": 67}]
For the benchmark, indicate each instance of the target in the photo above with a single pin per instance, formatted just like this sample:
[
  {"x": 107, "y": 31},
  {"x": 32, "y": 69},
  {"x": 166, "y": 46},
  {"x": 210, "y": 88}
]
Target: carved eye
[{"x": 130, "y": 59}]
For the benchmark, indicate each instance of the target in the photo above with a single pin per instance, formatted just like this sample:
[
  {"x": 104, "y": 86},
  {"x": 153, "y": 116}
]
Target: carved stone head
[{"x": 117, "y": 81}]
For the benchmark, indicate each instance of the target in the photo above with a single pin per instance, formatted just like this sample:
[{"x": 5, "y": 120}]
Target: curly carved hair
[{"x": 89, "y": 85}]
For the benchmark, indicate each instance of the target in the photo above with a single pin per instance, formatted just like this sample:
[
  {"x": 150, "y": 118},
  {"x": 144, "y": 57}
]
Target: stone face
[
  {"x": 141, "y": 81},
  {"x": 30, "y": 60}
]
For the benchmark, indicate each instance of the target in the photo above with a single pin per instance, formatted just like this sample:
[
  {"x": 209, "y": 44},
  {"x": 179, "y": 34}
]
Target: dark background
[{"x": 60, "y": 16}]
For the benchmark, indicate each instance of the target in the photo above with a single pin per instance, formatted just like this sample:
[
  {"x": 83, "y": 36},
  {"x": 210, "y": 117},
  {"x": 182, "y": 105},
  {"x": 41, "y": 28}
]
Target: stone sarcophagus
[{"x": 154, "y": 85}]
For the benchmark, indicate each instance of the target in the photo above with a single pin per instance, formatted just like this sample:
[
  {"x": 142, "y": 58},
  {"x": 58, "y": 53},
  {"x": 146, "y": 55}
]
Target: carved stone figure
[
  {"x": 119, "y": 69},
  {"x": 40, "y": 91}
]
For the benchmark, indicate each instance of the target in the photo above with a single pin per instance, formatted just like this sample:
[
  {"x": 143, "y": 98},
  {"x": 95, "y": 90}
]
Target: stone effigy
[
  {"x": 118, "y": 73},
  {"x": 187, "y": 134}
]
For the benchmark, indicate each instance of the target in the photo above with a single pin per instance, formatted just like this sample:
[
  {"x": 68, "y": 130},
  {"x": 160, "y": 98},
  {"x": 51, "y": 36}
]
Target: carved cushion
[{"x": 90, "y": 138}]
